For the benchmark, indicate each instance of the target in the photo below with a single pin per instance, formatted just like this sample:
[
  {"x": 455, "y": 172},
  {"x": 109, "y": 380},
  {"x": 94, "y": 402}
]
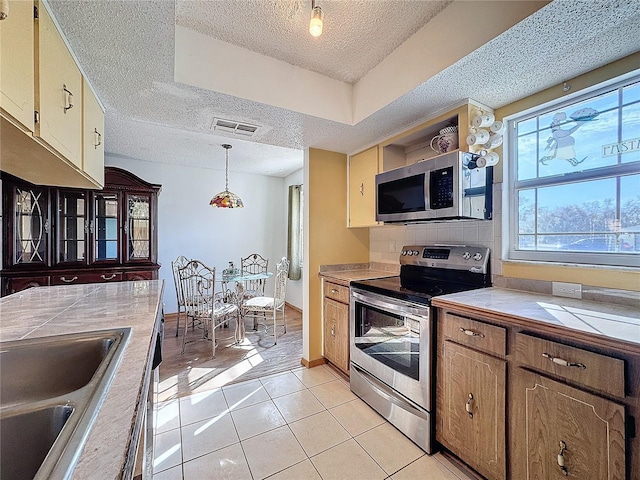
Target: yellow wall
[
  {"x": 330, "y": 241},
  {"x": 628, "y": 279}
]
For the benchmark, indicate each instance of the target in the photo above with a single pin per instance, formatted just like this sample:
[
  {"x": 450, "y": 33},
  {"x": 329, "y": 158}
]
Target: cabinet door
[
  {"x": 336, "y": 333},
  {"x": 105, "y": 227},
  {"x": 72, "y": 227},
  {"x": 138, "y": 227},
  {"x": 363, "y": 168},
  {"x": 31, "y": 226},
  {"x": 471, "y": 408},
  {"x": 93, "y": 135},
  {"x": 568, "y": 432},
  {"x": 59, "y": 85},
  {"x": 16, "y": 64}
]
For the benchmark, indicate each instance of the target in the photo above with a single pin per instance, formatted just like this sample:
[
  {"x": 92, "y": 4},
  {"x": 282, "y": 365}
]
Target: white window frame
[{"x": 510, "y": 221}]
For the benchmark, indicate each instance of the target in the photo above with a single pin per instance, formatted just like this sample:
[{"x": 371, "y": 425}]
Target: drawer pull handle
[
  {"x": 469, "y": 405},
  {"x": 104, "y": 277},
  {"x": 64, "y": 279},
  {"x": 333, "y": 330},
  {"x": 564, "y": 363},
  {"x": 471, "y": 333},
  {"x": 563, "y": 448},
  {"x": 334, "y": 291}
]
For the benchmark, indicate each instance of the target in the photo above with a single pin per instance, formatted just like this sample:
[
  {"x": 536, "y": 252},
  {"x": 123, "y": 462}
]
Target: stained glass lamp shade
[{"x": 226, "y": 199}]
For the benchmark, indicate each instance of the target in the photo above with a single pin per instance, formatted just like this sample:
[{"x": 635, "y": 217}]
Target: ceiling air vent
[{"x": 229, "y": 126}]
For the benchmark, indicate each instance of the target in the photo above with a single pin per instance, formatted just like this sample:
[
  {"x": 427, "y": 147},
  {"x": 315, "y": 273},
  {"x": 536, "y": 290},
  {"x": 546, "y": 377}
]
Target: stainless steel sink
[{"x": 51, "y": 391}]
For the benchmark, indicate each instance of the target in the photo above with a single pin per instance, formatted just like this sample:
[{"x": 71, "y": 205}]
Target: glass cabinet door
[
  {"x": 31, "y": 228},
  {"x": 138, "y": 227},
  {"x": 105, "y": 227},
  {"x": 72, "y": 226}
]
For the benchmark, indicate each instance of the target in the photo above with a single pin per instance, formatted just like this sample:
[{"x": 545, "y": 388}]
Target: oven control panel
[{"x": 458, "y": 257}]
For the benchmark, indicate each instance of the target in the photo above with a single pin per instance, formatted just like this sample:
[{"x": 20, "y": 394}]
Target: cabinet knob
[
  {"x": 69, "y": 99},
  {"x": 333, "y": 330},
  {"x": 334, "y": 291}
]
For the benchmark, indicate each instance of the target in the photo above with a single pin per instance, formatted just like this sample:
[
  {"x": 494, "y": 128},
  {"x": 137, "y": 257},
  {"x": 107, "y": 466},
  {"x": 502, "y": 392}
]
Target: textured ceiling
[{"x": 126, "y": 48}]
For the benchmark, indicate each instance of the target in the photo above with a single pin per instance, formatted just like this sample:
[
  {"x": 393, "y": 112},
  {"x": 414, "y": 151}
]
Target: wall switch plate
[
  {"x": 392, "y": 246},
  {"x": 571, "y": 290}
]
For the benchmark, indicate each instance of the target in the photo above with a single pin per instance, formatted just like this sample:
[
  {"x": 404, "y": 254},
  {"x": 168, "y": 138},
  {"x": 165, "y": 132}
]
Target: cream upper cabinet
[
  {"x": 17, "y": 65},
  {"x": 93, "y": 136},
  {"x": 58, "y": 96},
  {"x": 363, "y": 168}
]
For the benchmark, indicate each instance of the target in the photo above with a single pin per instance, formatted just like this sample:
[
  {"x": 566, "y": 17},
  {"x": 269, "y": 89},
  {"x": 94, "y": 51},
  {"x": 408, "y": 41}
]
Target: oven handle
[
  {"x": 403, "y": 308},
  {"x": 385, "y": 392}
]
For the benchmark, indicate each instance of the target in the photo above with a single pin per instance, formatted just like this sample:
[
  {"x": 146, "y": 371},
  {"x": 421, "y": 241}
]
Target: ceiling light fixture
[
  {"x": 315, "y": 25},
  {"x": 226, "y": 199}
]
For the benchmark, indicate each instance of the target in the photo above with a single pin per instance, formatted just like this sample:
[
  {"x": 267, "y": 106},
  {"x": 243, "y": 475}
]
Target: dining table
[{"x": 238, "y": 296}]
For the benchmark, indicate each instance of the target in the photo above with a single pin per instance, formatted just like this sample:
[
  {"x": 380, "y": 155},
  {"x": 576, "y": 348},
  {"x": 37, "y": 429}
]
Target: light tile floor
[{"x": 304, "y": 424}]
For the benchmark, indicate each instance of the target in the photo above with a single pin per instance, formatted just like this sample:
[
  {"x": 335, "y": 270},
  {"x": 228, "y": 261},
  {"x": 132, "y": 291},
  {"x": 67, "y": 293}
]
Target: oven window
[{"x": 389, "y": 338}]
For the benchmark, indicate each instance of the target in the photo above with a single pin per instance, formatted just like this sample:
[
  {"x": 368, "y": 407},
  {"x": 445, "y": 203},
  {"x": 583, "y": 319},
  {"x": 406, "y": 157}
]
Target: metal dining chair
[
  {"x": 254, "y": 263},
  {"x": 262, "y": 307},
  {"x": 178, "y": 263},
  {"x": 203, "y": 304}
]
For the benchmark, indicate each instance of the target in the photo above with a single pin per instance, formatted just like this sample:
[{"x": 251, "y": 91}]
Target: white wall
[
  {"x": 294, "y": 287},
  {"x": 188, "y": 226}
]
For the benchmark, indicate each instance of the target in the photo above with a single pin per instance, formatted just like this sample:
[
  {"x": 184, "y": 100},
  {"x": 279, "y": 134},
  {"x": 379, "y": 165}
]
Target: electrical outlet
[{"x": 571, "y": 290}]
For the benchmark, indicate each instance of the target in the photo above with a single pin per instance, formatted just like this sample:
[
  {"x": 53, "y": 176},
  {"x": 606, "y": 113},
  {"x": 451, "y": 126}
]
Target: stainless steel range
[{"x": 392, "y": 332}]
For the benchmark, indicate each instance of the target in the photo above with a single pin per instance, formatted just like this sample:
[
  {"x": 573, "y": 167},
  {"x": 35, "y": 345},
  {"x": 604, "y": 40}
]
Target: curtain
[{"x": 294, "y": 237}]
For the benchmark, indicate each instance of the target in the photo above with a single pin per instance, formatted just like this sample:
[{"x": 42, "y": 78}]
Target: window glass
[{"x": 576, "y": 167}]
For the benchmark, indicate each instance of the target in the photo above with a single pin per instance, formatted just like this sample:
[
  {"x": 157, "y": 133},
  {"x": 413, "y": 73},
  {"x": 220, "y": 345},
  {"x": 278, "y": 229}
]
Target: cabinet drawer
[
  {"x": 480, "y": 335},
  {"x": 580, "y": 366},
  {"x": 339, "y": 293},
  {"x": 81, "y": 278}
]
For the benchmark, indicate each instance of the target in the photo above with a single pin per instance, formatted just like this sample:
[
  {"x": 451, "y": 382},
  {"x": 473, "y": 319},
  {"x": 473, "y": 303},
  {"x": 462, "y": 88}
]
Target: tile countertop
[
  {"x": 612, "y": 325},
  {"x": 46, "y": 311},
  {"x": 346, "y": 273}
]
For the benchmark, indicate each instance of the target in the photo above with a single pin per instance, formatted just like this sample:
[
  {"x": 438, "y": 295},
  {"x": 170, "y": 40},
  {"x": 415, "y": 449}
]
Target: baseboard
[
  {"x": 287, "y": 304},
  {"x": 313, "y": 363}
]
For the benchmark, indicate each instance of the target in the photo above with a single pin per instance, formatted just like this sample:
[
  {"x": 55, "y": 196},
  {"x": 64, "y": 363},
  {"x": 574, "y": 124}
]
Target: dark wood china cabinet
[{"x": 57, "y": 236}]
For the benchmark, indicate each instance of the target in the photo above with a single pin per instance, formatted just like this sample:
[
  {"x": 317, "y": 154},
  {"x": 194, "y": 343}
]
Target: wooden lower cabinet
[
  {"x": 520, "y": 400},
  {"x": 567, "y": 432},
  {"x": 470, "y": 408},
  {"x": 336, "y": 333}
]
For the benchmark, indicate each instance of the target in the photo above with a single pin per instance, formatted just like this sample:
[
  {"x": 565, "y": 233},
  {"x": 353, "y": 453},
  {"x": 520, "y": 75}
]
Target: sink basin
[
  {"x": 37, "y": 429},
  {"x": 33, "y": 370},
  {"x": 52, "y": 389}
]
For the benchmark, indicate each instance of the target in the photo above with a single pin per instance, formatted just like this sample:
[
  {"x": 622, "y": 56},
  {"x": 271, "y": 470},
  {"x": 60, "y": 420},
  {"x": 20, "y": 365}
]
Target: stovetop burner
[{"x": 428, "y": 271}]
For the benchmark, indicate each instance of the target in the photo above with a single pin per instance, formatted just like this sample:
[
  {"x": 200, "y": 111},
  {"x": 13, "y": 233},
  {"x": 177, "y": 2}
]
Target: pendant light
[
  {"x": 317, "y": 16},
  {"x": 226, "y": 199}
]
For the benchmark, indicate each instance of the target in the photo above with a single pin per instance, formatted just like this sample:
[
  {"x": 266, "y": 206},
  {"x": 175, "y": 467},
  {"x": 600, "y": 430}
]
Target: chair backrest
[
  {"x": 254, "y": 263},
  {"x": 282, "y": 273},
  {"x": 178, "y": 263},
  {"x": 198, "y": 284}
]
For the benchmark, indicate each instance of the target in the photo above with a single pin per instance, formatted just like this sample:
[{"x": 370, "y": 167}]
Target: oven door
[{"x": 392, "y": 340}]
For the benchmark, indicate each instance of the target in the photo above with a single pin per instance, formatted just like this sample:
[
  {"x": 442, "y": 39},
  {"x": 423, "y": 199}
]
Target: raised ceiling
[{"x": 128, "y": 51}]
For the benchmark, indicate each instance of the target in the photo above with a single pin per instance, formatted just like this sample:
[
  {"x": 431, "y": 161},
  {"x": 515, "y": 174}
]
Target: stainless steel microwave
[{"x": 445, "y": 187}]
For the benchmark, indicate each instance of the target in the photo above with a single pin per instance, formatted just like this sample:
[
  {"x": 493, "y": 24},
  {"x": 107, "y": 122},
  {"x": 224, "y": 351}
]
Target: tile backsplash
[{"x": 386, "y": 242}]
